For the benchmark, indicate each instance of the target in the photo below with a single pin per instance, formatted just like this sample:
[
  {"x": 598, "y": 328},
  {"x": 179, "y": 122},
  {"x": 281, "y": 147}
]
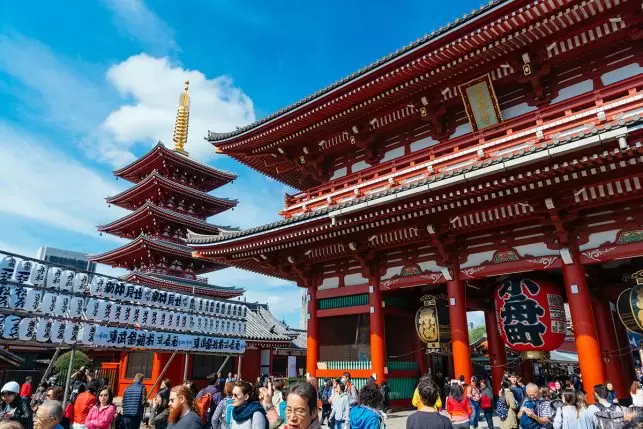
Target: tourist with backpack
[
  {"x": 367, "y": 414},
  {"x": 486, "y": 402},
  {"x": 459, "y": 407},
  {"x": 247, "y": 412},
  {"x": 207, "y": 399},
  {"x": 507, "y": 407},
  {"x": 325, "y": 393},
  {"x": 568, "y": 416},
  {"x": 350, "y": 388},
  {"x": 134, "y": 399},
  {"x": 602, "y": 414},
  {"x": 223, "y": 413},
  {"x": 160, "y": 412},
  {"x": 528, "y": 415}
]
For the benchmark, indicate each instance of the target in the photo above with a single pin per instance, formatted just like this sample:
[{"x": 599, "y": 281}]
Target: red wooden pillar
[
  {"x": 312, "y": 339},
  {"x": 497, "y": 352},
  {"x": 580, "y": 306},
  {"x": 459, "y": 328},
  {"x": 609, "y": 346},
  {"x": 378, "y": 340}
]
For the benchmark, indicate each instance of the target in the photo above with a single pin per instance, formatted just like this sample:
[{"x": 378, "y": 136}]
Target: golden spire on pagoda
[{"x": 182, "y": 121}]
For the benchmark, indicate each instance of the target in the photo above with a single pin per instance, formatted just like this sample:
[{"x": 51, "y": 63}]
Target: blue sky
[{"x": 86, "y": 87}]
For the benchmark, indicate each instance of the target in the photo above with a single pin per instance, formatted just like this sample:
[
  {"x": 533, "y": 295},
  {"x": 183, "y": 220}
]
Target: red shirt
[
  {"x": 25, "y": 390},
  {"x": 83, "y": 404}
]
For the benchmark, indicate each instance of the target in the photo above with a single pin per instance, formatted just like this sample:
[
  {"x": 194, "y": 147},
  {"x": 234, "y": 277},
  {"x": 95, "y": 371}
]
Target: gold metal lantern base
[{"x": 534, "y": 355}]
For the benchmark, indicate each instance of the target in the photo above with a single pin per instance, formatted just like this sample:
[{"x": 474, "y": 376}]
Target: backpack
[
  {"x": 527, "y": 422},
  {"x": 502, "y": 410},
  {"x": 609, "y": 418},
  {"x": 204, "y": 403},
  {"x": 324, "y": 395},
  {"x": 282, "y": 410},
  {"x": 485, "y": 402},
  {"x": 226, "y": 417}
]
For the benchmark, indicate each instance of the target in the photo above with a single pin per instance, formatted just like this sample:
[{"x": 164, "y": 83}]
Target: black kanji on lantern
[{"x": 521, "y": 314}]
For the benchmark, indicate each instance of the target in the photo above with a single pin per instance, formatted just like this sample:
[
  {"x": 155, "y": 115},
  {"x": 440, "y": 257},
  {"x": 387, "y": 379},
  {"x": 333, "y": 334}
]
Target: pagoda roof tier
[
  {"x": 296, "y": 144},
  {"x": 494, "y": 193},
  {"x": 144, "y": 248},
  {"x": 145, "y": 217},
  {"x": 148, "y": 189},
  {"x": 184, "y": 285},
  {"x": 161, "y": 158}
]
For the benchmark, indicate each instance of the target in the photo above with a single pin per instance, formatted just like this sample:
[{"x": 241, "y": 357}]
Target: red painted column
[
  {"x": 312, "y": 339},
  {"x": 459, "y": 328},
  {"x": 497, "y": 352},
  {"x": 378, "y": 340},
  {"x": 580, "y": 306},
  {"x": 609, "y": 346}
]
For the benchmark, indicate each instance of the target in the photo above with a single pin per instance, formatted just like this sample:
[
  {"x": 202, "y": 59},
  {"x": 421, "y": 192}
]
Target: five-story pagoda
[{"x": 169, "y": 197}]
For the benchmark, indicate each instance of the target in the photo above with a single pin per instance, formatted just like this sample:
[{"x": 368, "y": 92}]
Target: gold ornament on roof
[{"x": 182, "y": 121}]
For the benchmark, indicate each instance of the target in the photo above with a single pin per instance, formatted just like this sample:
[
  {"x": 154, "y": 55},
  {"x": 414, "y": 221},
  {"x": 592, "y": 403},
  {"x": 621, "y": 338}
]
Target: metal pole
[
  {"x": 239, "y": 368},
  {"x": 223, "y": 364},
  {"x": 160, "y": 377},
  {"x": 68, "y": 377},
  {"x": 51, "y": 364},
  {"x": 185, "y": 368}
]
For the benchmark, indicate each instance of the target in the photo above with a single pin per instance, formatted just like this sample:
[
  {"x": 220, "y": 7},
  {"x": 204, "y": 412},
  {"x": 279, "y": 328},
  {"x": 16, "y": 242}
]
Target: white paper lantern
[
  {"x": 89, "y": 334},
  {"x": 97, "y": 287},
  {"x": 119, "y": 290},
  {"x": 92, "y": 310},
  {"x": 81, "y": 281},
  {"x": 154, "y": 318},
  {"x": 72, "y": 332},
  {"x": 34, "y": 301},
  {"x": 58, "y": 331},
  {"x": 49, "y": 303},
  {"x": 106, "y": 310},
  {"x": 62, "y": 305},
  {"x": 115, "y": 313},
  {"x": 7, "y": 267},
  {"x": 101, "y": 336},
  {"x": 5, "y": 295},
  {"x": 134, "y": 315},
  {"x": 43, "y": 330},
  {"x": 162, "y": 319},
  {"x": 10, "y": 327},
  {"x": 184, "y": 322},
  {"x": 76, "y": 307},
  {"x": 67, "y": 280},
  {"x": 23, "y": 271},
  {"x": 19, "y": 297},
  {"x": 144, "y": 318},
  {"x": 54, "y": 278},
  {"x": 191, "y": 323},
  {"x": 27, "y": 329},
  {"x": 38, "y": 272},
  {"x": 126, "y": 313},
  {"x": 110, "y": 287},
  {"x": 147, "y": 295}
]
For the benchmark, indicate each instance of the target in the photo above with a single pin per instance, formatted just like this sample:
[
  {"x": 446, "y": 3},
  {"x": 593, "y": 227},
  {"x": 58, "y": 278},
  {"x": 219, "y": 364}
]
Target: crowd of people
[{"x": 231, "y": 403}]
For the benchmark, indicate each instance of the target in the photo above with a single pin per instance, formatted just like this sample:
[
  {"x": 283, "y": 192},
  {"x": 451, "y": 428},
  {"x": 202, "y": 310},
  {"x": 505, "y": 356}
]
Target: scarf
[{"x": 244, "y": 412}]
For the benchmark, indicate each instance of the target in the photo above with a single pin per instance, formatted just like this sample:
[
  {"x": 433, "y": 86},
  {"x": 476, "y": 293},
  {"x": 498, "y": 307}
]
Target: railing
[
  {"x": 366, "y": 364},
  {"x": 357, "y": 382},
  {"x": 342, "y": 301},
  {"x": 402, "y": 388},
  {"x": 457, "y": 146}
]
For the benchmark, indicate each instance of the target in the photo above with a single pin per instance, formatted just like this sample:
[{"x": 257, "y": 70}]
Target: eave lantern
[
  {"x": 630, "y": 304},
  {"x": 432, "y": 323},
  {"x": 531, "y": 316}
]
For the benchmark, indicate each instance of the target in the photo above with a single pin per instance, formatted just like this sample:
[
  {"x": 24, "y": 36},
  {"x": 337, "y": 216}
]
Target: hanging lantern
[
  {"x": 98, "y": 286},
  {"x": 10, "y": 327},
  {"x": 58, "y": 331},
  {"x": 67, "y": 280},
  {"x": 49, "y": 303},
  {"x": 34, "y": 301},
  {"x": 89, "y": 334},
  {"x": 27, "y": 329},
  {"x": 76, "y": 307},
  {"x": 80, "y": 283},
  {"x": 54, "y": 278},
  {"x": 62, "y": 305},
  {"x": 432, "y": 323},
  {"x": 43, "y": 330},
  {"x": 7, "y": 266},
  {"x": 19, "y": 297},
  {"x": 72, "y": 331},
  {"x": 531, "y": 316},
  {"x": 629, "y": 304},
  {"x": 37, "y": 276},
  {"x": 5, "y": 295},
  {"x": 23, "y": 271}
]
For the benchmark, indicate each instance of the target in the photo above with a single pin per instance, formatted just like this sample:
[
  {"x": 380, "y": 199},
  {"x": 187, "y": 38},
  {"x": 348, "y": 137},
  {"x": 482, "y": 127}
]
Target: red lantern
[{"x": 531, "y": 315}]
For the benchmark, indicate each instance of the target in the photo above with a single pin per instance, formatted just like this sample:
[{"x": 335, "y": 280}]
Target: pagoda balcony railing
[{"x": 508, "y": 137}]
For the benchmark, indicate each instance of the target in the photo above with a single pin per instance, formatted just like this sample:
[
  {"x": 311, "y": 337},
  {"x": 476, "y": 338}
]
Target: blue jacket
[
  {"x": 364, "y": 418},
  {"x": 133, "y": 400}
]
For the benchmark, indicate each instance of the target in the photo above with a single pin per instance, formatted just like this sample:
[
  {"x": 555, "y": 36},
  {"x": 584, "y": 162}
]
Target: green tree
[
  {"x": 476, "y": 333},
  {"x": 62, "y": 363}
]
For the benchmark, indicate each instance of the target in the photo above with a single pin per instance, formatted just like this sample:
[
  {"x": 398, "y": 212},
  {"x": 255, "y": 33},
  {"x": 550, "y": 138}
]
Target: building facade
[
  {"x": 67, "y": 258},
  {"x": 507, "y": 144}
]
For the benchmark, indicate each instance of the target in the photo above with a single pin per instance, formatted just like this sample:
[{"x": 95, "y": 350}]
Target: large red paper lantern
[{"x": 531, "y": 315}]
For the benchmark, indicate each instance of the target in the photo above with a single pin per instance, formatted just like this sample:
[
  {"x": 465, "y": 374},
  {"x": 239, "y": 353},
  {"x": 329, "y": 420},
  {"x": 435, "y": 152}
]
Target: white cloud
[
  {"x": 141, "y": 24},
  {"x": 41, "y": 183},
  {"x": 154, "y": 84}
]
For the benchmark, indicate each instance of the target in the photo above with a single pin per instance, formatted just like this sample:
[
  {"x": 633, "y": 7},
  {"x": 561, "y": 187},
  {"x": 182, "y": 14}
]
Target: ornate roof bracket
[
  {"x": 362, "y": 137},
  {"x": 565, "y": 239},
  {"x": 441, "y": 243}
]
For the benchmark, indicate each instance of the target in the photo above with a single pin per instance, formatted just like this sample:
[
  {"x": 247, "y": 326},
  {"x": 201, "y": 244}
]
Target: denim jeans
[
  {"x": 475, "y": 415},
  {"x": 488, "y": 416},
  {"x": 340, "y": 424}
]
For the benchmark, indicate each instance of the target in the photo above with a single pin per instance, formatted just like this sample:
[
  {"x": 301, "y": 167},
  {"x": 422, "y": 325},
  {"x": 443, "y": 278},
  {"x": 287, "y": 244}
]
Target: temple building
[{"x": 494, "y": 165}]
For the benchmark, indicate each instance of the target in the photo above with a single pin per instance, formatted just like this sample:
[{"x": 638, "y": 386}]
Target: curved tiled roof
[
  {"x": 196, "y": 239},
  {"x": 466, "y": 18},
  {"x": 257, "y": 329}
]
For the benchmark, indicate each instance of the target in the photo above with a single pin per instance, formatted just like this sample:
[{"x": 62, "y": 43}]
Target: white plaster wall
[
  {"x": 339, "y": 173},
  {"x": 392, "y": 271},
  {"x": 359, "y": 166},
  {"x": 476, "y": 259},
  {"x": 621, "y": 73},
  {"x": 392, "y": 154},
  {"x": 536, "y": 249},
  {"x": 517, "y": 110},
  {"x": 354, "y": 279},
  {"x": 429, "y": 266},
  {"x": 329, "y": 283},
  {"x": 599, "y": 238},
  {"x": 574, "y": 90},
  {"x": 423, "y": 144},
  {"x": 462, "y": 130}
]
